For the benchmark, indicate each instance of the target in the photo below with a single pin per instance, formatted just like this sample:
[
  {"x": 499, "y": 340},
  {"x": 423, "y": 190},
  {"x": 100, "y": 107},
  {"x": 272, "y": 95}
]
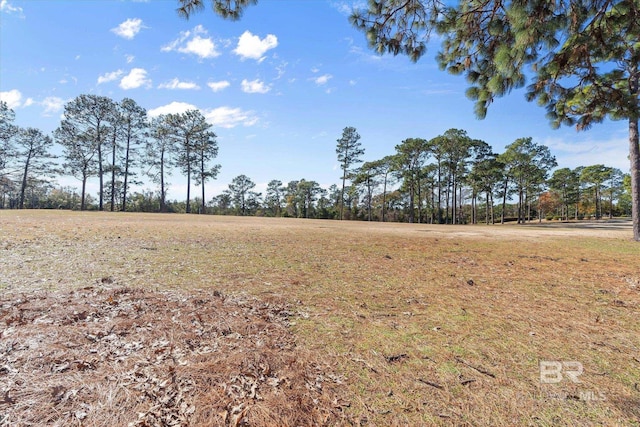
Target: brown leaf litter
[{"x": 134, "y": 357}]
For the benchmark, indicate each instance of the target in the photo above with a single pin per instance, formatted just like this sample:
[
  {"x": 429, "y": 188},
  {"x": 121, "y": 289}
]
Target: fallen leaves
[{"x": 124, "y": 356}]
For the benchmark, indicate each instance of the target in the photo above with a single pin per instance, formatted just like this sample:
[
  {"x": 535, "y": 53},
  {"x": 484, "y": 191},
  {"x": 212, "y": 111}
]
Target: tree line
[
  {"x": 115, "y": 142},
  {"x": 582, "y": 57},
  {"x": 449, "y": 179}
]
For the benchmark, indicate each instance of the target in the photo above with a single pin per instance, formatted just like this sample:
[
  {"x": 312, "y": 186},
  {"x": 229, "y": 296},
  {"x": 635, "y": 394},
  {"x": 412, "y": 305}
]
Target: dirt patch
[{"x": 123, "y": 356}]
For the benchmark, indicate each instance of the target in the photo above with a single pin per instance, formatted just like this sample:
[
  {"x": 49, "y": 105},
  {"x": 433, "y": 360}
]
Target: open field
[{"x": 247, "y": 321}]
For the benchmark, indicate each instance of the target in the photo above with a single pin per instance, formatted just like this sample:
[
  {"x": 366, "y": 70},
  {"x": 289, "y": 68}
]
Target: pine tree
[
  {"x": 583, "y": 55},
  {"x": 349, "y": 150},
  {"x": 33, "y": 156},
  {"x": 188, "y": 129}
]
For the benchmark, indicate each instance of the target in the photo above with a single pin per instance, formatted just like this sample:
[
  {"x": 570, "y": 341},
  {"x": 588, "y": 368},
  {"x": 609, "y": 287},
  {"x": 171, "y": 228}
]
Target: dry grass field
[{"x": 143, "y": 320}]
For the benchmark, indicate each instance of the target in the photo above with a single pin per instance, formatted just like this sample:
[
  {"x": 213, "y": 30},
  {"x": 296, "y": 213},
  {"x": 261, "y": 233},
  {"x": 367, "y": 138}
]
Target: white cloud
[
  {"x": 129, "y": 28},
  {"x": 177, "y": 84},
  {"x": 191, "y": 42},
  {"x": 204, "y": 48},
  {"x": 129, "y": 58},
  {"x": 442, "y": 91},
  {"x": 137, "y": 77},
  {"x": 363, "y": 55},
  {"x": 346, "y": 8},
  {"x": 227, "y": 117},
  {"x": 250, "y": 46},
  {"x": 52, "y": 104},
  {"x": 172, "y": 108},
  {"x": 218, "y": 86},
  {"x": 281, "y": 69},
  {"x": 7, "y": 7},
  {"x": 320, "y": 135},
  {"x": 611, "y": 152},
  {"x": 223, "y": 117},
  {"x": 322, "y": 80},
  {"x": 109, "y": 77},
  {"x": 254, "y": 86},
  {"x": 12, "y": 97}
]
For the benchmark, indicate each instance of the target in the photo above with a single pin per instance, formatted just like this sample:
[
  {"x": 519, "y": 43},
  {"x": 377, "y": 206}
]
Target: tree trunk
[
  {"x": 634, "y": 151},
  {"x": 23, "y": 187},
  {"x": 419, "y": 200},
  {"x": 634, "y": 155},
  {"x": 411, "y": 204},
  {"x": 202, "y": 179},
  {"x": 504, "y": 200},
  {"x": 344, "y": 178},
  {"x": 454, "y": 200},
  {"x": 486, "y": 209},
  {"x": 84, "y": 188},
  {"x": 370, "y": 195},
  {"x": 188, "y": 207},
  {"x": 433, "y": 204},
  {"x": 203, "y": 202},
  {"x": 493, "y": 218},
  {"x": 113, "y": 173},
  {"x": 439, "y": 193},
  {"x": 519, "y": 213},
  {"x": 460, "y": 211},
  {"x": 163, "y": 206},
  {"x": 473, "y": 208},
  {"x": 100, "y": 168},
  {"x": 446, "y": 196},
  {"x": 520, "y": 206},
  {"x": 384, "y": 195},
  {"x": 126, "y": 172}
]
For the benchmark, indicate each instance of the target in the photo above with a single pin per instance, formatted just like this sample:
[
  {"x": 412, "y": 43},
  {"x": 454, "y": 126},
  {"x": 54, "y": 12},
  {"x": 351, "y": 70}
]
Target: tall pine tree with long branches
[
  {"x": 89, "y": 115},
  {"x": 349, "y": 151},
  {"x": 188, "y": 129}
]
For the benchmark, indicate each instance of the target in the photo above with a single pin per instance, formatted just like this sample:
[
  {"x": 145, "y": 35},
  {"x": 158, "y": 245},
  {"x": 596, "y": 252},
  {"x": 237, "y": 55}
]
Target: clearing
[{"x": 148, "y": 319}]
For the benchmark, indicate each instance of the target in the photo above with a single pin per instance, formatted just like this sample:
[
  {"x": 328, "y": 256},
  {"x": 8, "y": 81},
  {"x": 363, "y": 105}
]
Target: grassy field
[{"x": 404, "y": 324}]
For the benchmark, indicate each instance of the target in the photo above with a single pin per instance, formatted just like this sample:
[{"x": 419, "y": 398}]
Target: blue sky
[{"x": 279, "y": 85}]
